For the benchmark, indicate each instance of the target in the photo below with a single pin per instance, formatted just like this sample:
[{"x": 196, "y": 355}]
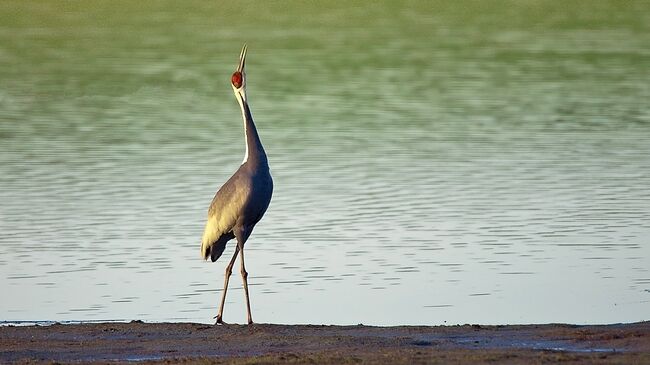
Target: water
[{"x": 473, "y": 162}]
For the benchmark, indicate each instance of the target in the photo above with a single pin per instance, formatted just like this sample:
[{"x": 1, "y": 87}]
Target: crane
[{"x": 242, "y": 200}]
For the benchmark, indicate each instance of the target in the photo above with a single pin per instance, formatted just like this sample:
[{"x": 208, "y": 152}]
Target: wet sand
[{"x": 302, "y": 344}]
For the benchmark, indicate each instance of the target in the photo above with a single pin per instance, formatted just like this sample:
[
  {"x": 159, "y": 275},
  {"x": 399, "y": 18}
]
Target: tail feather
[{"x": 215, "y": 249}]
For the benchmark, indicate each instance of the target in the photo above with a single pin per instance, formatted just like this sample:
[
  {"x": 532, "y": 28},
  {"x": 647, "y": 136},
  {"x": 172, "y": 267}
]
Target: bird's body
[
  {"x": 238, "y": 205},
  {"x": 242, "y": 201}
]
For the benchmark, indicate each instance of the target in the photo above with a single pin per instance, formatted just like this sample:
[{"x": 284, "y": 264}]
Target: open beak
[{"x": 242, "y": 59}]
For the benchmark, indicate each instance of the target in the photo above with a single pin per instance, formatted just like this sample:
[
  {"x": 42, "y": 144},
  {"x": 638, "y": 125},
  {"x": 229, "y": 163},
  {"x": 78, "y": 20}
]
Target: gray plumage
[
  {"x": 242, "y": 201},
  {"x": 238, "y": 205}
]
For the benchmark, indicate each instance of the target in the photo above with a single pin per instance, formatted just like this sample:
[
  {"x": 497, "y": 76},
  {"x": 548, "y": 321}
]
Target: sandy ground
[{"x": 266, "y": 344}]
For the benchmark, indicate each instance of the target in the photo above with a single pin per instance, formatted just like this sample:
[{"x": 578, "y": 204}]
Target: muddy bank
[{"x": 266, "y": 343}]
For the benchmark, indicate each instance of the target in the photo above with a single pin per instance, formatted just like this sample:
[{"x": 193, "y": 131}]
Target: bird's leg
[
  {"x": 244, "y": 276},
  {"x": 225, "y": 285}
]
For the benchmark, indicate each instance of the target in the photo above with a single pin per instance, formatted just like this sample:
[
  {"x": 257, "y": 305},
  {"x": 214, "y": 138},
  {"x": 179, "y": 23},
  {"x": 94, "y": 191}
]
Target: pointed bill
[{"x": 242, "y": 59}]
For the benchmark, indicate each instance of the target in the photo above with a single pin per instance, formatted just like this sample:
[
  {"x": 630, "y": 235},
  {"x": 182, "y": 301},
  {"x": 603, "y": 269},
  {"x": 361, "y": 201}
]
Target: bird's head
[{"x": 238, "y": 79}]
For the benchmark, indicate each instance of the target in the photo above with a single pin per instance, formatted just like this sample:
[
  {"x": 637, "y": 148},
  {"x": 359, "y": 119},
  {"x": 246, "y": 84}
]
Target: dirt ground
[{"x": 192, "y": 343}]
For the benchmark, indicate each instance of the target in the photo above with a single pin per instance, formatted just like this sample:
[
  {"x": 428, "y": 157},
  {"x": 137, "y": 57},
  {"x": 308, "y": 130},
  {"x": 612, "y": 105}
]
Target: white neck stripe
[{"x": 240, "y": 99}]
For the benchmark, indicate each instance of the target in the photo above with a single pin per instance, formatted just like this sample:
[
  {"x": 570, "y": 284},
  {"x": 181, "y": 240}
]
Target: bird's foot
[{"x": 219, "y": 320}]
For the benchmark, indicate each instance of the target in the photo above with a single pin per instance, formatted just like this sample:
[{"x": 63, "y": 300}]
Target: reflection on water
[{"x": 450, "y": 164}]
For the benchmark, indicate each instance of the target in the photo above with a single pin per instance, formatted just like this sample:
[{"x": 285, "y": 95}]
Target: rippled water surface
[{"x": 434, "y": 163}]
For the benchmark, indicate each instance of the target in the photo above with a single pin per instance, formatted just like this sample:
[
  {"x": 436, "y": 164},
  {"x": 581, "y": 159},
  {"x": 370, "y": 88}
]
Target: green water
[{"x": 434, "y": 162}]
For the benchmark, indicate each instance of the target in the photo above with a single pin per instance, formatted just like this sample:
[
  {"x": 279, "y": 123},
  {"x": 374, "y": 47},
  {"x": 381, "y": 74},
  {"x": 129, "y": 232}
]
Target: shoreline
[{"x": 269, "y": 343}]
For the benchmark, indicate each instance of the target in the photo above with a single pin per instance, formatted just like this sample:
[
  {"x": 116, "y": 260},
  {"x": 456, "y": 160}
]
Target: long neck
[{"x": 254, "y": 150}]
